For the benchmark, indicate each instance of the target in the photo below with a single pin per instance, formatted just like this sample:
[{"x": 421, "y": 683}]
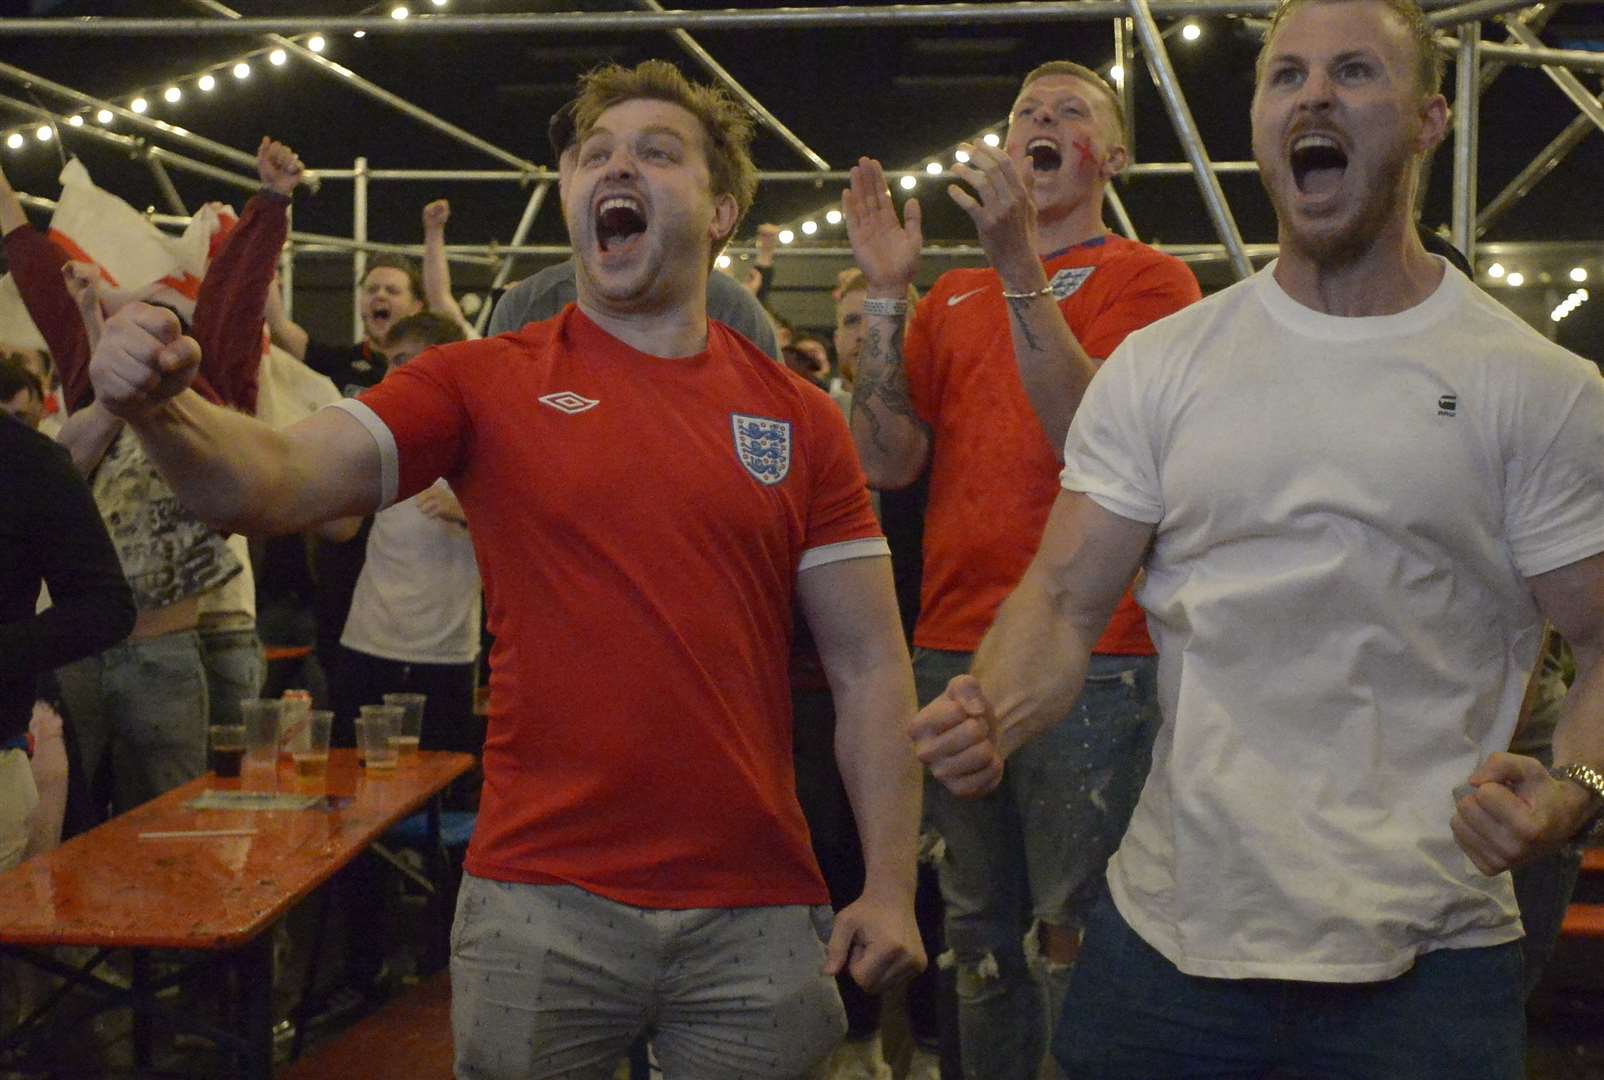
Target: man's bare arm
[
  {"x": 852, "y": 611},
  {"x": 231, "y": 470},
  {"x": 893, "y": 441},
  {"x": 1516, "y": 812},
  {"x": 1031, "y": 665}
]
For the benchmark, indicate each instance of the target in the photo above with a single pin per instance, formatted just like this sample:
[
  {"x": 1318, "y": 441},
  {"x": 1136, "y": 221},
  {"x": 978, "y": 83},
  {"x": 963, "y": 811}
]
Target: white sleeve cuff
[
  {"x": 389, "y": 457},
  {"x": 868, "y": 548}
]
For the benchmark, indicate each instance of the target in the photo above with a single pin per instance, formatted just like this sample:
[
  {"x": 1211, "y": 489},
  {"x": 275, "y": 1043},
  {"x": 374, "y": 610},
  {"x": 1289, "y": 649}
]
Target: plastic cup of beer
[
  {"x": 225, "y": 749},
  {"x": 374, "y": 730},
  {"x": 410, "y": 732},
  {"x": 261, "y": 716},
  {"x": 312, "y": 762}
]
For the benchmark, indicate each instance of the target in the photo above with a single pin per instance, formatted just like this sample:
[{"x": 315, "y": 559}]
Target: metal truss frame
[{"x": 1135, "y": 30}]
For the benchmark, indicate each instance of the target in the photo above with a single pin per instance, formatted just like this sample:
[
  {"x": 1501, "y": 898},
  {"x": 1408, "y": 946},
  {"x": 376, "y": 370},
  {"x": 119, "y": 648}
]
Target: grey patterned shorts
[{"x": 552, "y": 981}]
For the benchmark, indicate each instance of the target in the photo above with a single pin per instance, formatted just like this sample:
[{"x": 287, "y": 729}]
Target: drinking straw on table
[{"x": 195, "y": 834}]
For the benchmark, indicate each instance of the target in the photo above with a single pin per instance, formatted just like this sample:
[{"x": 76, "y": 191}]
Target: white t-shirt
[
  {"x": 417, "y": 598},
  {"x": 233, "y": 604},
  {"x": 1345, "y": 512}
]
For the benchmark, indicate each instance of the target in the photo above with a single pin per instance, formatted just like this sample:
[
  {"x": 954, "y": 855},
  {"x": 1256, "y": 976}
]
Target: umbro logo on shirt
[{"x": 566, "y": 401}]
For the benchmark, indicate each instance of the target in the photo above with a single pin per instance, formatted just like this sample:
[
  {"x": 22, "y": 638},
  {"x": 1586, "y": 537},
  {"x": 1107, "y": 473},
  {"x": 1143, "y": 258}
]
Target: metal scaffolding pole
[
  {"x": 730, "y": 83},
  {"x": 1572, "y": 87},
  {"x": 1125, "y": 58},
  {"x": 198, "y": 142},
  {"x": 164, "y": 184},
  {"x": 1169, "y": 88},
  {"x": 1534, "y": 19},
  {"x": 1466, "y": 102},
  {"x": 519, "y": 235},
  {"x": 1121, "y": 216},
  {"x": 359, "y": 233},
  {"x": 346, "y": 77},
  {"x": 1540, "y": 166},
  {"x": 1521, "y": 56},
  {"x": 286, "y": 269},
  {"x": 845, "y": 16},
  {"x": 1474, "y": 11}
]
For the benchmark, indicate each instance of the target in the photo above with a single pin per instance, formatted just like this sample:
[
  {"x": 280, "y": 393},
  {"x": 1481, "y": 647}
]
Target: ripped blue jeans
[{"x": 1034, "y": 851}]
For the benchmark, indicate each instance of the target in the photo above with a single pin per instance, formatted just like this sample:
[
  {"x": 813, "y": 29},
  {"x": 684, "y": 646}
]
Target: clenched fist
[{"x": 143, "y": 360}]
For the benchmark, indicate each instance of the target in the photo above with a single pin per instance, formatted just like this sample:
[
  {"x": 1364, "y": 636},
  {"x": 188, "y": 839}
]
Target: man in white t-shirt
[{"x": 1357, "y": 486}]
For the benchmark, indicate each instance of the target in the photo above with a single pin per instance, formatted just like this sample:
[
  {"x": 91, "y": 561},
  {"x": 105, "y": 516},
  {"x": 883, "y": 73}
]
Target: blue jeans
[
  {"x": 143, "y": 702},
  {"x": 1132, "y": 1015},
  {"x": 235, "y": 668},
  {"x": 1035, "y": 850}
]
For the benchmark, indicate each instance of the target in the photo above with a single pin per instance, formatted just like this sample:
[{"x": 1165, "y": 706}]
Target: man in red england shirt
[
  {"x": 648, "y": 496},
  {"x": 994, "y": 366}
]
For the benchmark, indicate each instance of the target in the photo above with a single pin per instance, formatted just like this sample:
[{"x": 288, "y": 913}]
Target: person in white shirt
[
  {"x": 1357, "y": 486},
  {"x": 414, "y": 620}
]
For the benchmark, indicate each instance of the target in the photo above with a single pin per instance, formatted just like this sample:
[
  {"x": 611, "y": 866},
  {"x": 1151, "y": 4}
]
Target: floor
[{"x": 1566, "y": 1031}]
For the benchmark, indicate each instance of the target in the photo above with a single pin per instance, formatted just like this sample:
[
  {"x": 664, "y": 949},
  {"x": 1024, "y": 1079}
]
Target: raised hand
[
  {"x": 886, "y": 249},
  {"x": 956, "y": 738},
  {"x": 279, "y": 167},
  {"x": 436, "y": 214},
  {"x": 143, "y": 360},
  {"x": 1003, "y": 213}
]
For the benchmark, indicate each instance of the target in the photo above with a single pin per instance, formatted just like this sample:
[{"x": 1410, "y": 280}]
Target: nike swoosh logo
[{"x": 954, "y": 301}]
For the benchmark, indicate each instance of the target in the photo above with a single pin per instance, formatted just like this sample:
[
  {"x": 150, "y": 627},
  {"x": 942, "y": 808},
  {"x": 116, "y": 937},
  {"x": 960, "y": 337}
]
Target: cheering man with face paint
[
  {"x": 993, "y": 369},
  {"x": 1357, "y": 486},
  {"x": 649, "y": 495}
]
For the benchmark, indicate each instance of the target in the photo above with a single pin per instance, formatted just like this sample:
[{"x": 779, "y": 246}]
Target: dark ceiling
[{"x": 900, "y": 94}]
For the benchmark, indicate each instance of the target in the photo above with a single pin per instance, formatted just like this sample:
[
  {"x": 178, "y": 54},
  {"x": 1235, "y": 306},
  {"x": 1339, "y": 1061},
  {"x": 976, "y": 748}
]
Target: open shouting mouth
[
  {"x": 620, "y": 222},
  {"x": 1045, "y": 155},
  {"x": 1318, "y": 164}
]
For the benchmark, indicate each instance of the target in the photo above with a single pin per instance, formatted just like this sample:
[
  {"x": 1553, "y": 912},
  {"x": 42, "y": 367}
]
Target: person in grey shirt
[{"x": 539, "y": 297}]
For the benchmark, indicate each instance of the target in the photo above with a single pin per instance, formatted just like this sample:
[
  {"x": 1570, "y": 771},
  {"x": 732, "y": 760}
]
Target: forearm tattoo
[
  {"x": 1020, "y": 305},
  {"x": 882, "y": 387}
]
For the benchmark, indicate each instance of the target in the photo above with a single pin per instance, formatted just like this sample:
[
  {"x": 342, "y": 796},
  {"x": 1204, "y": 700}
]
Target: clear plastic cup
[
  {"x": 261, "y": 717},
  {"x": 312, "y": 762},
  {"x": 410, "y": 731},
  {"x": 374, "y": 730}
]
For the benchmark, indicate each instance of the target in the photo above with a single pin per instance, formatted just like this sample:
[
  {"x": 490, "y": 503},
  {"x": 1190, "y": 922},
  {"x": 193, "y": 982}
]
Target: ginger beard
[{"x": 1328, "y": 205}]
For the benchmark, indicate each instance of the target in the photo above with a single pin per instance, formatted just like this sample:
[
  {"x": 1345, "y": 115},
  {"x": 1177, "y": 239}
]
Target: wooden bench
[
  {"x": 410, "y": 1036},
  {"x": 1586, "y": 920}
]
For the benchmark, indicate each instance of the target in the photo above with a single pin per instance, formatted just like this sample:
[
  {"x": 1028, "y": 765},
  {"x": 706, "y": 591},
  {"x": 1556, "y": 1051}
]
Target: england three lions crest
[{"x": 764, "y": 446}]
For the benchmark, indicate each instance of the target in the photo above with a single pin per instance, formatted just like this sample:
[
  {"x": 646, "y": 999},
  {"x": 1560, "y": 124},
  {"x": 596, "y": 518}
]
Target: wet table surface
[{"x": 110, "y": 888}]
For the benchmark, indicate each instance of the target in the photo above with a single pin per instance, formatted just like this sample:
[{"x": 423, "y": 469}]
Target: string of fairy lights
[
  {"x": 240, "y": 69},
  {"x": 1190, "y": 31},
  {"x": 206, "y": 81}
]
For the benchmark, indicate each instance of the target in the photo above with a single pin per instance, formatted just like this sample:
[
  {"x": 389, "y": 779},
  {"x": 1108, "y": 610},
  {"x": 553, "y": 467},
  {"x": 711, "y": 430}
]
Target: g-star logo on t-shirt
[
  {"x": 763, "y": 445},
  {"x": 1068, "y": 280},
  {"x": 566, "y": 401},
  {"x": 1448, "y": 405}
]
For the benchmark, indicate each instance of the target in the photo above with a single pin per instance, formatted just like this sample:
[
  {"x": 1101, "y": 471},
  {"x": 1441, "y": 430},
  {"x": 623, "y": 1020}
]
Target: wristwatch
[{"x": 1592, "y": 781}]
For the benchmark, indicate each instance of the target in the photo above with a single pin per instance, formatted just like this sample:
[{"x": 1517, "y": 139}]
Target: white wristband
[{"x": 875, "y": 305}]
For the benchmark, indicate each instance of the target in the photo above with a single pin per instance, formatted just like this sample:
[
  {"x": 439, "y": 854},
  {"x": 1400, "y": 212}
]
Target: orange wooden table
[{"x": 110, "y": 889}]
